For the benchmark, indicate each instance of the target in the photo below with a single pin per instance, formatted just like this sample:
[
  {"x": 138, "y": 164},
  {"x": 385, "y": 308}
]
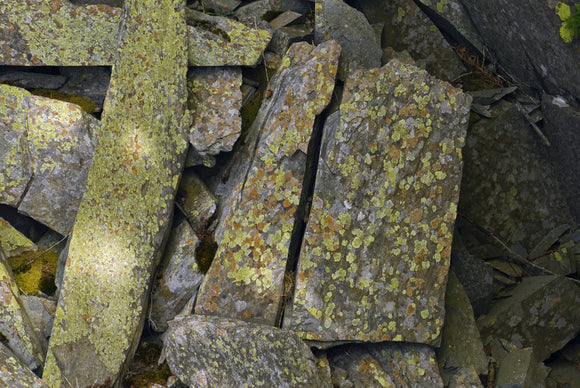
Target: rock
[
  {"x": 461, "y": 346},
  {"x": 509, "y": 187},
  {"x": 460, "y": 378},
  {"x": 221, "y": 7},
  {"x": 14, "y": 373},
  {"x": 133, "y": 181},
  {"x": 246, "y": 278},
  {"x": 475, "y": 275},
  {"x": 23, "y": 79},
  {"x": 50, "y": 145},
  {"x": 386, "y": 364},
  {"x": 375, "y": 257},
  {"x": 195, "y": 200},
  {"x": 247, "y": 354},
  {"x": 562, "y": 128},
  {"x": 411, "y": 30},
  {"x": 12, "y": 242},
  {"x": 519, "y": 367},
  {"x": 90, "y": 82},
  {"x": 284, "y": 19},
  {"x": 40, "y": 311},
  {"x": 338, "y": 21},
  {"x": 15, "y": 328},
  {"x": 214, "y": 100},
  {"x": 180, "y": 276},
  {"x": 563, "y": 374},
  {"x": 540, "y": 313}
]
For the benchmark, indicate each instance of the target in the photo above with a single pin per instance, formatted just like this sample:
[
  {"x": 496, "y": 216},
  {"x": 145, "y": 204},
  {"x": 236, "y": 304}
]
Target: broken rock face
[{"x": 375, "y": 257}]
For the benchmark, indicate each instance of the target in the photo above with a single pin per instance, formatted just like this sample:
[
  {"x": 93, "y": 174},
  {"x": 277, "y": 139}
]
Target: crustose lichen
[{"x": 570, "y": 28}]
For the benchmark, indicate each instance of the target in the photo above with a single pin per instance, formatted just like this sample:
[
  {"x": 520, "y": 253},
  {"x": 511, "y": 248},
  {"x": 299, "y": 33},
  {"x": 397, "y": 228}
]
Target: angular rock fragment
[
  {"x": 215, "y": 100},
  {"x": 520, "y": 367},
  {"x": 460, "y": 378},
  {"x": 90, "y": 82},
  {"x": 195, "y": 200},
  {"x": 509, "y": 186},
  {"x": 132, "y": 183},
  {"x": 245, "y": 280},
  {"x": 541, "y": 313},
  {"x": 385, "y": 365},
  {"x": 12, "y": 242},
  {"x": 23, "y": 79},
  {"x": 210, "y": 352},
  {"x": 46, "y": 158},
  {"x": 375, "y": 257},
  {"x": 40, "y": 311},
  {"x": 13, "y": 373}
]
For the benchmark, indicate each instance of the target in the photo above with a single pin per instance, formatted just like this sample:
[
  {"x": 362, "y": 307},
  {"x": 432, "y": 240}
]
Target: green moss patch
[{"x": 34, "y": 273}]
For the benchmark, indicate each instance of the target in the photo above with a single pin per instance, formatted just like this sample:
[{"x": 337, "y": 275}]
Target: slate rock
[
  {"x": 246, "y": 278},
  {"x": 386, "y": 364},
  {"x": 520, "y": 367},
  {"x": 562, "y": 128},
  {"x": 27, "y": 80},
  {"x": 338, "y": 21},
  {"x": 509, "y": 186},
  {"x": 210, "y": 352},
  {"x": 90, "y": 82},
  {"x": 214, "y": 100},
  {"x": 133, "y": 181},
  {"x": 180, "y": 276},
  {"x": 375, "y": 257},
  {"x": 14, "y": 373},
  {"x": 541, "y": 313}
]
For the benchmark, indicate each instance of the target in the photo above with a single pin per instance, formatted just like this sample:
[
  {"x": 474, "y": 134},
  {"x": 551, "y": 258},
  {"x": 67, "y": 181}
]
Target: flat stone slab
[
  {"x": 245, "y": 280},
  {"x": 132, "y": 182},
  {"x": 208, "y": 351},
  {"x": 375, "y": 257}
]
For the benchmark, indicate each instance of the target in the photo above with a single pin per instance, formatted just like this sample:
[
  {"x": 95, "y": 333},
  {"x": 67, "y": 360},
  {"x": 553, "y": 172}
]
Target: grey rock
[
  {"x": 27, "y": 80},
  {"x": 221, "y": 7},
  {"x": 41, "y": 314},
  {"x": 211, "y": 351},
  {"x": 460, "y": 378},
  {"x": 519, "y": 367},
  {"x": 340, "y": 22},
  {"x": 90, "y": 82},
  {"x": 195, "y": 200},
  {"x": 375, "y": 257},
  {"x": 15, "y": 374},
  {"x": 549, "y": 239}
]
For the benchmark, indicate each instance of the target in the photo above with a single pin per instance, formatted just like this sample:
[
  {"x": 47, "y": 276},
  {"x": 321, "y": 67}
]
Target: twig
[{"x": 46, "y": 250}]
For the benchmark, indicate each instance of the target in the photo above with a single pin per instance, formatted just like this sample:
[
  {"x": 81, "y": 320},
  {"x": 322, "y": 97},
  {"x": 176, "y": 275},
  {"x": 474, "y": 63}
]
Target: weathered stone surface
[
  {"x": 23, "y": 79},
  {"x": 40, "y": 311},
  {"x": 223, "y": 7},
  {"x": 375, "y": 257},
  {"x": 58, "y": 33},
  {"x": 386, "y": 365},
  {"x": 12, "y": 242},
  {"x": 245, "y": 280},
  {"x": 14, "y": 373},
  {"x": 461, "y": 346},
  {"x": 520, "y": 367},
  {"x": 509, "y": 186},
  {"x": 460, "y": 378},
  {"x": 541, "y": 313},
  {"x": 180, "y": 276},
  {"x": 562, "y": 127},
  {"x": 338, "y": 21},
  {"x": 15, "y": 327},
  {"x": 132, "y": 183},
  {"x": 49, "y": 147},
  {"x": 195, "y": 200},
  {"x": 411, "y": 30},
  {"x": 90, "y": 82},
  {"x": 215, "y": 100},
  {"x": 217, "y": 352}
]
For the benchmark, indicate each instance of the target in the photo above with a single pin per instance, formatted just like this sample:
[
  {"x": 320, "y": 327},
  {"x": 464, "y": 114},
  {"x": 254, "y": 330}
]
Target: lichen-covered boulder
[
  {"x": 541, "y": 313},
  {"x": 13, "y": 373},
  {"x": 375, "y": 257},
  {"x": 46, "y": 158},
  {"x": 208, "y": 351},
  {"x": 215, "y": 100},
  {"x": 132, "y": 182},
  {"x": 246, "y": 278},
  {"x": 385, "y": 365}
]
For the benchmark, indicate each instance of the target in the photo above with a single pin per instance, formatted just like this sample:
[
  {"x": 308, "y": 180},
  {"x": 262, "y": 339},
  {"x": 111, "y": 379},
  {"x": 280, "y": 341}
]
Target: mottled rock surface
[
  {"x": 13, "y": 373},
  {"x": 375, "y": 257},
  {"x": 132, "y": 183},
  {"x": 246, "y": 278},
  {"x": 247, "y": 354}
]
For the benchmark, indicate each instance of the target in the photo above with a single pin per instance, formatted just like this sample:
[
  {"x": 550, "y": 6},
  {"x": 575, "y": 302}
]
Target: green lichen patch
[
  {"x": 374, "y": 262},
  {"x": 14, "y": 373},
  {"x": 124, "y": 213},
  {"x": 246, "y": 278}
]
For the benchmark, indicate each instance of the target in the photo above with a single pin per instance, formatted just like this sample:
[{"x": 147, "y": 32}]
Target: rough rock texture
[
  {"x": 460, "y": 378},
  {"x": 247, "y": 355},
  {"x": 15, "y": 327},
  {"x": 23, "y": 79},
  {"x": 510, "y": 188},
  {"x": 461, "y": 346},
  {"x": 215, "y": 100},
  {"x": 132, "y": 183},
  {"x": 562, "y": 127},
  {"x": 39, "y": 311},
  {"x": 180, "y": 276},
  {"x": 338, "y": 21},
  {"x": 14, "y": 374},
  {"x": 541, "y": 313},
  {"x": 520, "y": 367},
  {"x": 385, "y": 365},
  {"x": 58, "y": 33},
  {"x": 195, "y": 200},
  {"x": 90, "y": 82},
  {"x": 246, "y": 278},
  {"x": 522, "y": 37},
  {"x": 46, "y": 156},
  {"x": 12, "y": 242},
  {"x": 375, "y": 257}
]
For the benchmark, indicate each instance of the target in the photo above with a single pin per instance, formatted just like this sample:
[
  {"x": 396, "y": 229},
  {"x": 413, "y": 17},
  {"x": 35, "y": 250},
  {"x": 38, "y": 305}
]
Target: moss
[
  {"x": 35, "y": 276},
  {"x": 206, "y": 250},
  {"x": 144, "y": 371},
  {"x": 570, "y": 28},
  {"x": 85, "y": 103}
]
